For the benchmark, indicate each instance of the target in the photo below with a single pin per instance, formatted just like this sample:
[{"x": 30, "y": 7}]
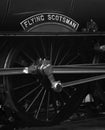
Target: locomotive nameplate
[{"x": 49, "y": 18}]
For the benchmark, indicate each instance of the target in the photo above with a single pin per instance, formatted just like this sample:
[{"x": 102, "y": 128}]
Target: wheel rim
[{"x": 31, "y": 95}]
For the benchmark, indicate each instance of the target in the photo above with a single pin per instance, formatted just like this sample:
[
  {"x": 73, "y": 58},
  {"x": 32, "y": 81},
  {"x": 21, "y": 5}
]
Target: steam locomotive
[{"x": 51, "y": 57}]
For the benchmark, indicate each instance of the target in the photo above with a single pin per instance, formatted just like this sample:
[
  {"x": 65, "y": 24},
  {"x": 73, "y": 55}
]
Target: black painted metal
[{"x": 12, "y": 12}]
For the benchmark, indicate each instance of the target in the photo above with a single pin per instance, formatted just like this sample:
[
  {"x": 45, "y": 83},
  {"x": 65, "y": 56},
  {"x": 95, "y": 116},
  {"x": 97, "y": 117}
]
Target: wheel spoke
[
  {"x": 40, "y": 104},
  {"x": 43, "y": 48},
  {"x": 25, "y": 85},
  {"x": 51, "y": 53},
  {"x": 29, "y": 57},
  {"x": 48, "y": 103},
  {"x": 21, "y": 61},
  {"x": 34, "y": 100},
  {"x": 73, "y": 59},
  {"x": 29, "y": 93},
  {"x": 37, "y": 53},
  {"x": 57, "y": 55},
  {"x": 64, "y": 57}
]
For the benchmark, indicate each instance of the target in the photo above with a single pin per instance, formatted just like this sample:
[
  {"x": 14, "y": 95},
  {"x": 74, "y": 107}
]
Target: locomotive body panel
[{"x": 13, "y": 12}]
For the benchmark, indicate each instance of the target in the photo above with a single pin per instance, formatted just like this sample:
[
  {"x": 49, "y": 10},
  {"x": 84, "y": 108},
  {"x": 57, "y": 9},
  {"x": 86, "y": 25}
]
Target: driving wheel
[{"x": 39, "y": 98}]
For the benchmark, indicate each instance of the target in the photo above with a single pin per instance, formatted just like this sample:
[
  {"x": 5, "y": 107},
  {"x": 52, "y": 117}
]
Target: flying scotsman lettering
[{"x": 53, "y": 18}]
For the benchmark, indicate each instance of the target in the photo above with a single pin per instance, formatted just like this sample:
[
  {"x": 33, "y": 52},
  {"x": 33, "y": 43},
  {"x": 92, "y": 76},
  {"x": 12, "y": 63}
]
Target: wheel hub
[{"x": 45, "y": 68}]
